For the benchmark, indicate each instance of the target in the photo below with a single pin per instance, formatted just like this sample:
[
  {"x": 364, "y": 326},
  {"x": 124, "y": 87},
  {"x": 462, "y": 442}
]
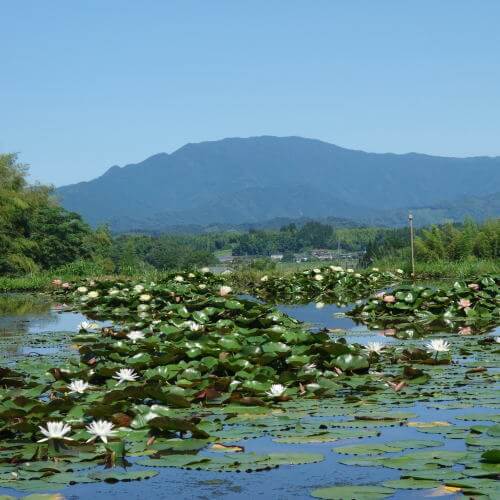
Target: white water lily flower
[
  {"x": 320, "y": 305},
  {"x": 374, "y": 347},
  {"x": 93, "y": 295},
  {"x": 309, "y": 367},
  {"x": 318, "y": 277},
  {"x": 264, "y": 278},
  {"x": 179, "y": 279},
  {"x": 82, "y": 289},
  {"x": 437, "y": 345},
  {"x": 375, "y": 269},
  {"x": 276, "y": 391},
  {"x": 101, "y": 429},
  {"x": 125, "y": 375},
  {"x": 113, "y": 292},
  {"x": 400, "y": 271},
  {"x": 138, "y": 288},
  {"x": 191, "y": 275},
  {"x": 78, "y": 386},
  {"x": 225, "y": 290},
  {"x": 317, "y": 271},
  {"x": 234, "y": 384},
  {"x": 350, "y": 270},
  {"x": 145, "y": 297},
  {"x": 135, "y": 335},
  {"x": 55, "y": 430},
  {"x": 193, "y": 326},
  {"x": 336, "y": 268},
  {"x": 202, "y": 286},
  {"x": 357, "y": 275},
  {"x": 205, "y": 270},
  {"x": 86, "y": 325}
]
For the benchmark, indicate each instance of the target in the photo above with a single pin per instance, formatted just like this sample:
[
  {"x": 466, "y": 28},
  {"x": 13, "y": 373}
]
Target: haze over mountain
[{"x": 256, "y": 179}]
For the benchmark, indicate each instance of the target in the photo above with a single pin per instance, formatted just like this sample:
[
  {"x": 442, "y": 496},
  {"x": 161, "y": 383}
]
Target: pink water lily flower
[
  {"x": 390, "y": 299},
  {"x": 464, "y": 303},
  {"x": 474, "y": 286},
  {"x": 465, "y": 330}
]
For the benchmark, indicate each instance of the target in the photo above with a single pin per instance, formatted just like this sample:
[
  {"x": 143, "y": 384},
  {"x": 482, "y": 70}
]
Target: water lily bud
[{"x": 225, "y": 290}]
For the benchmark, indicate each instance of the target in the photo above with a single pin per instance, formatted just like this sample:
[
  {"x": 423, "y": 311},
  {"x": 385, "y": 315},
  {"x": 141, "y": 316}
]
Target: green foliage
[
  {"x": 35, "y": 232},
  {"x": 454, "y": 243},
  {"x": 133, "y": 253}
]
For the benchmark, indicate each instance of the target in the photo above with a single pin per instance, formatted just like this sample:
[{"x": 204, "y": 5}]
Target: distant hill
[
  {"x": 475, "y": 207},
  {"x": 253, "y": 180}
]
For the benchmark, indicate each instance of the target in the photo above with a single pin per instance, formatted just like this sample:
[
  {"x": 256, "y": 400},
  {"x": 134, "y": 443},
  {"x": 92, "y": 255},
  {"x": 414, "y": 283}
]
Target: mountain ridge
[{"x": 245, "y": 180}]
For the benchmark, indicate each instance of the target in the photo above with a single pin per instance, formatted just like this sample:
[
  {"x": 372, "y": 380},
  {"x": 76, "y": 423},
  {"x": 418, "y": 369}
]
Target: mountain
[
  {"x": 475, "y": 207},
  {"x": 250, "y": 180}
]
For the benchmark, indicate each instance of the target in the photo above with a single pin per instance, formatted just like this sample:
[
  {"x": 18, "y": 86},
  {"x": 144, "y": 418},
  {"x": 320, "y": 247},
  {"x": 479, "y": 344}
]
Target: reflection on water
[
  {"x": 324, "y": 317},
  {"x": 27, "y": 320},
  {"x": 332, "y": 317}
]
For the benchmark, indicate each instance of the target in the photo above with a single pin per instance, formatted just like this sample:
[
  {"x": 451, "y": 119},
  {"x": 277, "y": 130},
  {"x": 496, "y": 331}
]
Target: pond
[{"x": 36, "y": 326}]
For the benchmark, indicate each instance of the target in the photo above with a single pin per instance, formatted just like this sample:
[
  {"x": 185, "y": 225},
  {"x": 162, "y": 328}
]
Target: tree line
[{"x": 36, "y": 233}]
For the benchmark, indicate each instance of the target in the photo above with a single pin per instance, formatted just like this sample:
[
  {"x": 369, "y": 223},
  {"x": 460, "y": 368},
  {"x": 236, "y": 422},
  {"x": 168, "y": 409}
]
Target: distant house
[
  {"x": 227, "y": 259},
  {"x": 322, "y": 254},
  {"x": 277, "y": 257},
  {"x": 300, "y": 257}
]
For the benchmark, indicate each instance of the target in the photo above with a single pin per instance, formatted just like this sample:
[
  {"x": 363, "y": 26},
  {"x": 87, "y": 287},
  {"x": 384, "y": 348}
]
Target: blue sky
[{"x": 85, "y": 85}]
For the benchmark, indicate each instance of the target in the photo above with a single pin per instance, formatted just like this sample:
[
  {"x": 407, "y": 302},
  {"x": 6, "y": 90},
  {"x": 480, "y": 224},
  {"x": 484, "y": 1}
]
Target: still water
[{"x": 27, "y": 319}]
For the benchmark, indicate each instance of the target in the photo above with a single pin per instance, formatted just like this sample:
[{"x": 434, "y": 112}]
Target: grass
[
  {"x": 441, "y": 269},
  {"x": 244, "y": 277},
  {"x": 75, "y": 271}
]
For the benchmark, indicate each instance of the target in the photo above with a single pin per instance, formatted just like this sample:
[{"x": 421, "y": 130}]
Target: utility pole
[{"x": 410, "y": 220}]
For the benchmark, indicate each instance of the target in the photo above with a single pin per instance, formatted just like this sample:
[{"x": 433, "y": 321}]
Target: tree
[{"x": 35, "y": 232}]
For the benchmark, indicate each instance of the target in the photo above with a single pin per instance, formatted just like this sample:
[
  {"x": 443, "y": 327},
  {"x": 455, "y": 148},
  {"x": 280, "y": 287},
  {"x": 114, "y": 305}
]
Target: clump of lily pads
[
  {"x": 325, "y": 284},
  {"x": 466, "y": 306},
  {"x": 188, "y": 368},
  {"x": 176, "y": 347}
]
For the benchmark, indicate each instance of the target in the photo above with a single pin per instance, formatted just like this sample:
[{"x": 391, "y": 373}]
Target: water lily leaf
[
  {"x": 295, "y": 458},
  {"x": 491, "y": 456},
  {"x": 351, "y": 362},
  {"x": 70, "y": 478},
  {"x": 380, "y": 448},
  {"x": 352, "y": 492},
  {"x": 227, "y": 448},
  {"x": 174, "y": 461},
  {"x": 34, "y": 485},
  {"x": 411, "y": 484}
]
